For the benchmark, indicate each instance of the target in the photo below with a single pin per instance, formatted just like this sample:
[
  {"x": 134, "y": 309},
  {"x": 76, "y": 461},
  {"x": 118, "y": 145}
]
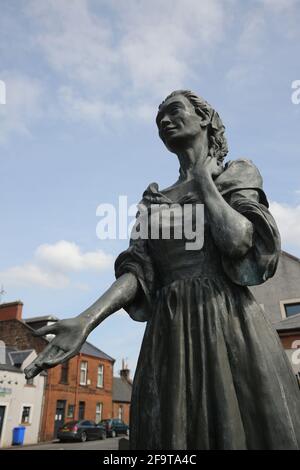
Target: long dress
[{"x": 212, "y": 373}]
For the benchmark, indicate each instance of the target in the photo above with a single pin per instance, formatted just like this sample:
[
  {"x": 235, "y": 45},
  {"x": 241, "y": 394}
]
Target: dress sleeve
[
  {"x": 260, "y": 262},
  {"x": 136, "y": 260}
]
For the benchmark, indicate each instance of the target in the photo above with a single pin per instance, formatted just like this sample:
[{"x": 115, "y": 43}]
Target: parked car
[
  {"x": 81, "y": 431},
  {"x": 114, "y": 427}
]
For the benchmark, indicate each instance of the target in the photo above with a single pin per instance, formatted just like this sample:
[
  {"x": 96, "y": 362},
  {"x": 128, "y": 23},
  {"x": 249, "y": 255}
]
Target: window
[
  {"x": 292, "y": 309},
  {"x": 71, "y": 409},
  {"x": 26, "y": 415},
  {"x": 120, "y": 413},
  {"x": 83, "y": 372},
  {"x": 99, "y": 408},
  {"x": 100, "y": 376},
  {"x": 81, "y": 410},
  {"x": 64, "y": 373}
]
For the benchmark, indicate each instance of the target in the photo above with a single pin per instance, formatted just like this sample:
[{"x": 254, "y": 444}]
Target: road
[{"x": 107, "y": 444}]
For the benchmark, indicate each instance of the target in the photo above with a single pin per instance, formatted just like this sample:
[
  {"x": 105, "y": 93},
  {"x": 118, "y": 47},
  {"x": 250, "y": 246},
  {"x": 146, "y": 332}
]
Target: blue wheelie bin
[{"x": 18, "y": 435}]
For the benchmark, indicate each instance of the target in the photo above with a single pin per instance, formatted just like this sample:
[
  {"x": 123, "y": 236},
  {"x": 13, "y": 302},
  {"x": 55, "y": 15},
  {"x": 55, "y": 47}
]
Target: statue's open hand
[{"x": 69, "y": 334}]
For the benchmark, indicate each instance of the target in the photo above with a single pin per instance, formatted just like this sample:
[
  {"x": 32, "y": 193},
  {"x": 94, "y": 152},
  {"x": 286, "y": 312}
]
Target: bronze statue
[{"x": 211, "y": 372}]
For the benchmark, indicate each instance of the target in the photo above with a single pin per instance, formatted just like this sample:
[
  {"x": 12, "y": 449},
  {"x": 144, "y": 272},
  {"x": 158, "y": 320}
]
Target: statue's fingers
[
  {"x": 46, "y": 330},
  {"x": 60, "y": 357},
  {"x": 32, "y": 370},
  {"x": 39, "y": 363},
  {"x": 47, "y": 355}
]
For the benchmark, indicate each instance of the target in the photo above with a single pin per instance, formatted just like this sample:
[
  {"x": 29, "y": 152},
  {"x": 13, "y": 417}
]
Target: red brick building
[{"x": 78, "y": 389}]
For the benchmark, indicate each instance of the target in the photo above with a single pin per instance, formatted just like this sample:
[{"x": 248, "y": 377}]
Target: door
[
  {"x": 81, "y": 410},
  {"x": 59, "y": 415},
  {"x": 2, "y": 413}
]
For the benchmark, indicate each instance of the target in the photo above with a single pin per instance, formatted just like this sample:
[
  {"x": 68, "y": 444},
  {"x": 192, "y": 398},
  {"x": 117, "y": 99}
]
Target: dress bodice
[
  {"x": 175, "y": 254},
  {"x": 159, "y": 260}
]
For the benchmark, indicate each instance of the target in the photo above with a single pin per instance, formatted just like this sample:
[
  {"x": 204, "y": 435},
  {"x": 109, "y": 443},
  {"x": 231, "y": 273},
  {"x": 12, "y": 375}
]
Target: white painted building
[{"x": 21, "y": 401}]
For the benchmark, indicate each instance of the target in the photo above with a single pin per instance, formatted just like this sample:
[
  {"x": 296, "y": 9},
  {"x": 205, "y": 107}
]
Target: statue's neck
[{"x": 188, "y": 158}]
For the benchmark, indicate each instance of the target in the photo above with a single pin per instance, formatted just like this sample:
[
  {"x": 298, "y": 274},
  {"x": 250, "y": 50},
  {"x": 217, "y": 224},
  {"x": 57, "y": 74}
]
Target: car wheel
[
  {"x": 83, "y": 437},
  {"x": 113, "y": 433},
  {"x": 103, "y": 436}
]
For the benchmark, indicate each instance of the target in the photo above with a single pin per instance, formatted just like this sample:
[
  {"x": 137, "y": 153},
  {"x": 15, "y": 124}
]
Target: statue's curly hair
[{"x": 216, "y": 130}]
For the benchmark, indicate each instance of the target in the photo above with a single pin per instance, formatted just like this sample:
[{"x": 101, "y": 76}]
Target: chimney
[
  {"x": 125, "y": 372},
  {"x": 11, "y": 310}
]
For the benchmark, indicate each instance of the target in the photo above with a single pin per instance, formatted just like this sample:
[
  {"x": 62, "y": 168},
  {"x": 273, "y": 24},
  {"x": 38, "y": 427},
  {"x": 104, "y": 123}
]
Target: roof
[
  {"x": 289, "y": 323},
  {"x": 18, "y": 357},
  {"x": 121, "y": 390},
  {"x": 14, "y": 358},
  {"x": 91, "y": 350},
  {"x": 285, "y": 253},
  {"x": 9, "y": 304},
  {"x": 87, "y": 348}
]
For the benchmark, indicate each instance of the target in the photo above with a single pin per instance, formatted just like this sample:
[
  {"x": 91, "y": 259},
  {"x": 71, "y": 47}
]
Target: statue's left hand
[
  {"x": 207, "y": 167},
  {"x": 69, "y": 334}
]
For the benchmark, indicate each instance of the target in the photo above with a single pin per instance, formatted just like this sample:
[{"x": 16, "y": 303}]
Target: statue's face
[{"x": 178, "y": 123}]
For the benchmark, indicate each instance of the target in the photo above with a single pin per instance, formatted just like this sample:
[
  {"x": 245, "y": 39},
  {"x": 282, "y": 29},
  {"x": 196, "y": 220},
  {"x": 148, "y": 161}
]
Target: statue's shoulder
[
  {"x": 150, "y": 194},
  {"x": 244, "y": 166},
  {"x": 239, "y": 174}
]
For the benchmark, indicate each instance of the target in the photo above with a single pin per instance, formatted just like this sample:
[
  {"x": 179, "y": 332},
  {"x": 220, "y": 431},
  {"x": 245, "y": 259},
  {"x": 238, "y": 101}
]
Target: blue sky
[{"x": 83, "y": 81}]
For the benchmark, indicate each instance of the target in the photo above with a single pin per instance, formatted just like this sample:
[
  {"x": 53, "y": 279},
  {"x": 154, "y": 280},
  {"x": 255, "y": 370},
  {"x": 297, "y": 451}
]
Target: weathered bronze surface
[{"x": 211, "y": 373}]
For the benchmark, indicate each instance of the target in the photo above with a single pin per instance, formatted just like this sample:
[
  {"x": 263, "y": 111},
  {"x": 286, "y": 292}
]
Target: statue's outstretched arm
[{"x": 70, "y": 334}]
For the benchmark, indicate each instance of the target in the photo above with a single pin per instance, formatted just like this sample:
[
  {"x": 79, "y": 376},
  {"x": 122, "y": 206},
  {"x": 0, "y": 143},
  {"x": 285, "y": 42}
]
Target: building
[
  {"x": 122, "y": 389},
  {"x": 21, "y": 400},
  {"x": 280, "y": 295},
  {"x": 280, "y": 299},
  {"x": 78, "y": 389}
]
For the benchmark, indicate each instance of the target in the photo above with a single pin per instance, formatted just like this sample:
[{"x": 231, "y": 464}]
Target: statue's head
[{"x": 183, "y": 116}]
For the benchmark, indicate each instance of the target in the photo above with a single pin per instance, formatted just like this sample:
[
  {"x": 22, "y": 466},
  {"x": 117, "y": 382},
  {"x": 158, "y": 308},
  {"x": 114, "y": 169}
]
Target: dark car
[
  {"x": 114, "y": 427},
  {"x": 81, "y": 431}
]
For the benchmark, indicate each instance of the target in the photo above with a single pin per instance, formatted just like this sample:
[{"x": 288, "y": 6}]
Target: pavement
[{"x": 107, "y": 444}]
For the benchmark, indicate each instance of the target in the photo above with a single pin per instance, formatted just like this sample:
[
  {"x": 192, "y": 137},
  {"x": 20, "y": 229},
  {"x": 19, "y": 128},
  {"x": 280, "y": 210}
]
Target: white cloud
[
  {"x": 24, "y": 104},
  {"x": 33, "y": 275},
  {"x": 53, "y": 264},
  {"x": 252, "y": 38},
  {"x": 95, "y": 110},
  {"x": 67, "y": 257},
  {"x": 77, "y": 42},
  {"x": 288, "y": 220},
  {"x": 258, "y": 24}
]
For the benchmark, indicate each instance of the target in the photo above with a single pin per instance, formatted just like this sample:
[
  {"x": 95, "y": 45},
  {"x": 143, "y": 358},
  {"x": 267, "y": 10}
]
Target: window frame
[
  {"x": 100, "y": 412},
  {"x": 30, "y": 406},
  {"x": 99, "y": 375},
  {"x": 68, "y": 411},
  {"x": 82, "y": 406},
  {"x": 86, "y": 373},
  {"x": 120, "y": 412},
  {"x": 64, "y": 369},
  {"x": 283, "y": 303}
]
